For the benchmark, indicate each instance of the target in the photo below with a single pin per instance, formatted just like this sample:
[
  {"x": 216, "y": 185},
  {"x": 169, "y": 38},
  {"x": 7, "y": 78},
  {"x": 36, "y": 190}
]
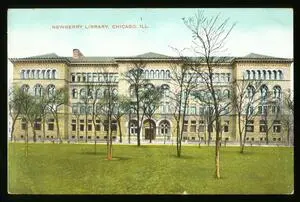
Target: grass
[{"x": 75, "y": 169}]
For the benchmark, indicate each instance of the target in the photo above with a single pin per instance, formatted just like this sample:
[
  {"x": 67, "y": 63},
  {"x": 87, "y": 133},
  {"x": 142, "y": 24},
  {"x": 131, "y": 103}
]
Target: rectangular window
[
  {"x": 73, "y": 120},
  {"x": 90, "y": 127},
  {"x": 226, "y": 126},
  {"x": 185, "y": 126},
  {"x": 193, "y": 110},
  {"x": 37, "y": 125},
  {"x": 81, "y": 121},
  {"x": 73, "y": 127},
  {"x": 276, "y": 127},
  {"x": 250, "y": 126},
  {"x": 81, "y": 127},
  {"x": 23, "y": 125},
  {"x": 210, "y": 128},
  {"x": 193, "y": 126},
  {"x": 50, "y": 126},
  {"x": 97, "y": 128}
]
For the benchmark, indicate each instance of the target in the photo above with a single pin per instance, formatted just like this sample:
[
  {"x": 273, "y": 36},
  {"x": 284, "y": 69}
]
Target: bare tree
[
  {"x": 29, "y": 112},
  {"x": 245, "y": 103},
  {"x": 14, "y": 105},
  {"x": 209, "y": 37},
  {"x": 135, "y": 77},
  {"x": 151, "y": 97},
  {"x": 122, "y": 108},
  {"x": 183, "y": 80},
  {"x": 57, "y": 99},
  {"x": 287, "y": 116}
]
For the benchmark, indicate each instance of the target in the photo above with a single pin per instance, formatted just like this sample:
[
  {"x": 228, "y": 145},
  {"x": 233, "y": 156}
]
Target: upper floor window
[
  {"x": 38, "y": 90},
  {"x": 277, "y": 92},
  {"x": 25, "y": 88},
  {"x": 51, "y": 90}
]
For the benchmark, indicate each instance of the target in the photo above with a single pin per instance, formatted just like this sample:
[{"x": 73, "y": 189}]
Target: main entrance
[{"x": 149, "y": 129}]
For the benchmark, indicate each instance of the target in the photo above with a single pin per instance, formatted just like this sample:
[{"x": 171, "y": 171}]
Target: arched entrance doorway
[
  {"x": 149, "y": 129},
  {"x": 164, "y": 129}
]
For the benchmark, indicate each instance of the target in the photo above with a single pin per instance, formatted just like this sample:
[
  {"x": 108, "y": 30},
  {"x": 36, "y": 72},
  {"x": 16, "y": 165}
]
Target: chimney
[{"x": 77, "y": 54}]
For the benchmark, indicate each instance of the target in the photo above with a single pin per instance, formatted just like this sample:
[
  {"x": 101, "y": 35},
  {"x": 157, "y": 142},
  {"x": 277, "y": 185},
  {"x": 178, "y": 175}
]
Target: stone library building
[{"x": 46, "y": 73}]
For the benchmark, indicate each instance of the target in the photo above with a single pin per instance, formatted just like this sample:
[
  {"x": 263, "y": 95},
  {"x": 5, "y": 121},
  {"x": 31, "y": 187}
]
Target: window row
[
  {"x": 38, "y": 90},
  {"x": 82, "y": 126},
  {"x": 201, "y": 126},
  {"x": 204, "y": 95},
  {"x": 264, "y": 91},
  {"x": 263, "y": 126},
  {"x": 263, "y": 74},
  {"x": 94, "y": 77},
  {"x": 38, "y": 124},
  {"x": 38, "y": 74},
  {"x": 156, "y": 74},
  {"x": 92, "y": 93}
]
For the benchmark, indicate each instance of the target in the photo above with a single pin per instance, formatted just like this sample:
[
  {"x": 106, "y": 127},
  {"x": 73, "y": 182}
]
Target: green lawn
[{"x": 75, "y": 169}]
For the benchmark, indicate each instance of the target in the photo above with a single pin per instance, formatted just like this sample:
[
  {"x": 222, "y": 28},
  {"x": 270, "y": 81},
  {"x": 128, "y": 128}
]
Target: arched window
[
  {"x": 157, "y": 74},
  {"x": 263, "y": 92},
  {"x": 25, "y": 88},
  {"x": 51, "y": 90},
  {"x": 253, "y": 74},
  {"x": 259, "y": 74},
  {"x": 147, "y": 74},
  {"x": 98, "y": 93},
  {"x": 48, "y": 74},
  {"x": 115, "y": 92},
  {"x": 149, "y": 86},
  {"x": 133, "y": 127},
  {"x": 226, "y": 93},
  {"x": 280, "y": 75},
  {"x": 275, "y": 74},
  {"x": 23, "y": 74},
  {"x": 82, "y": 93},
  {"x": 247, "y": 75},
  {"x": 33, "y": 74},
  {"x": 164, "y": 128},
  {"x": 90, "y": 93},
  {"x": 167, "y": 74},
  {"x": 162, "y": 74},
  {"x": 250, "y": 91},
  {"x": 74, "y": 93},
  {"x": 28, "y": 74},
  {"x": 151, "y": 74},
  {"x": 264, "y": 77},
  {"x": 165, "y": 90},
  {"x": 53, "y": 74},
  {"x": 37, "y": 75},
  {"x": 269, "y": 75},
  {"x": 217, "y": 77},
  {"x": 42, "y": 73},
  {"x": 277, "y": 91},
  {"x": 78, "y": 78},
  {"x": 38, "y": 90}
]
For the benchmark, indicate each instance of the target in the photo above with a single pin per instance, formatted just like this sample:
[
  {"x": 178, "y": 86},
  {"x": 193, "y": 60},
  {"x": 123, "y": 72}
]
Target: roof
[{"x": 53, "y": 57}]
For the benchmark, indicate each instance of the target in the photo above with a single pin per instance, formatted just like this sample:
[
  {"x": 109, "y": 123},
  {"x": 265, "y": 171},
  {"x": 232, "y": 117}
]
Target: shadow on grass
[
  {"x": 92, "y": 153},
  {"x": 183, "y": 157},
  {"x": 246, "y": 152}
]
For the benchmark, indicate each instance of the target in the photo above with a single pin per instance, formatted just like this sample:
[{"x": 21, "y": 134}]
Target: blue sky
[{"x": 260, "y": 30}]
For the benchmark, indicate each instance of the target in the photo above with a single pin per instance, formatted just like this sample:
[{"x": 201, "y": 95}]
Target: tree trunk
[
  {"x": 44, "y": 133},
  {"x": 86, "y": 124},
  {"x": 34, "y": 132},
  {"x": 26, "y": 140},
  {"x": 217, "y": 152},
  {"x": 57, "y": 128},
  {"x": 12, "y": 129},
  {"x": 109, "y": 138},
  {"x": 120, "y": 130},
  {"x": 95, "y": 134},
  {"x": 288, "y": 136},
  {"x": 240, "y": 130}
]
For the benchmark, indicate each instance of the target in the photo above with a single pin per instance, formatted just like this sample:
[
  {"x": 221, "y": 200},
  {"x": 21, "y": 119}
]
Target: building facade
[{"x": 45, "y": 73}]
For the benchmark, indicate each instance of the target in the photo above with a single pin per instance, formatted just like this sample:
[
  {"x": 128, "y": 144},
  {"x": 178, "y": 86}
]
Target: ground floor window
[
  {"x": 277, "y": 126},
  {"x": 81, "y": 127},
  {"x": 262, "y": 126},
  {"x": 50, "y": 124},
  {"x": 185, "y": 126},
  {"x": 133, "y": 127},
  {"x": 193, "y": 126},
  {"x": 250, "y": 126},
  {"x": 37, "y": 124},
  {"x": 24, "y": 124},
  {"x": 226, "y": 126}
]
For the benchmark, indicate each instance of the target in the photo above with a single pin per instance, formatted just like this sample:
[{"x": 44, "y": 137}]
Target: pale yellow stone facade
[{"x": 68, "y": 69}]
